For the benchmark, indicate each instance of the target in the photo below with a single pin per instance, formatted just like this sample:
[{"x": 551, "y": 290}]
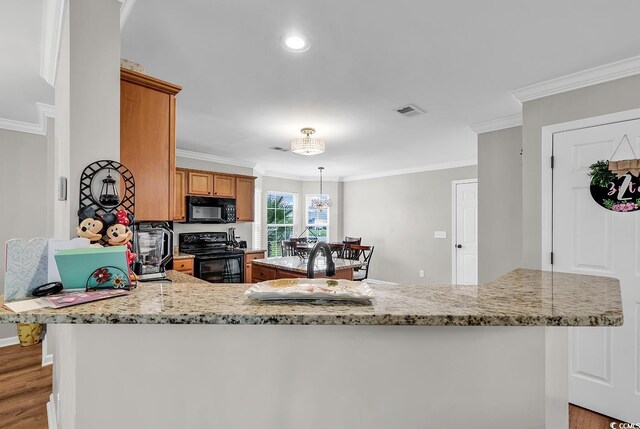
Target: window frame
[
  {"x": 327, "y": 225},
  {"x": 268, "y": 225}
]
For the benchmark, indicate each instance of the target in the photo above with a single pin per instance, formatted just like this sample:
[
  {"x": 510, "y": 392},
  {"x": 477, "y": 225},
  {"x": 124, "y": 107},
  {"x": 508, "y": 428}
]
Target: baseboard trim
[
  {"x": 9, "y": 341},
  {"x": 52, "y": 418}
]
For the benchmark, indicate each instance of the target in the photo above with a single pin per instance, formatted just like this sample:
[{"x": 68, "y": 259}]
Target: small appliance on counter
[
  {"x": 154, "y": 247},
  {"x": 211, "y": 210},
  {"x": 233, "y": 242},
  {"x": 215, "y": 260}
]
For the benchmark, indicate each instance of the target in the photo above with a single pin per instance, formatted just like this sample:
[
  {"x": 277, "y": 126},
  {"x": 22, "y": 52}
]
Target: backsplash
[{"x": 244, "y": 230}]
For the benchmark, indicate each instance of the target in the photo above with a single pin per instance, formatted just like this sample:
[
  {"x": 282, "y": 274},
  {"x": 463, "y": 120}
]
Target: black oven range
[{"x": 215, "y": 261}]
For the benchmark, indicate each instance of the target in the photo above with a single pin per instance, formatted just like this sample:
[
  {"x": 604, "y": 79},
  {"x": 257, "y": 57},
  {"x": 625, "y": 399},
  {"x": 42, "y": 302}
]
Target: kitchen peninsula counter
[
  {"x": 244, "y": 364},
  {"x": 519, "y": 298}
]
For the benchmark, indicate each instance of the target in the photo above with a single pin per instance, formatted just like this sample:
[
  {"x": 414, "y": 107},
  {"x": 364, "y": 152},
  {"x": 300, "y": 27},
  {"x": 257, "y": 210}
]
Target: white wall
[
  {"x": 243, "y": 229},
  {"x": 398, "y": 215},
  {"x": 499, "y": 203},
  {"x": 25, "y": 193},
  {"x": 87, "y": 90},
  {"x": 601, "y": 99}
]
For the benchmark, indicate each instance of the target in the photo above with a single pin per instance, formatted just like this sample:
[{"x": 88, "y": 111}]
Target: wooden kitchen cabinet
[
  {"x": 184, "y": 266},
  {"x": 261, "y": 273},
  {"x": 199, "y": 183},
  {"x": 224, "y": 186},
  {"x": 248, "y": 263},
  {"x": 180, "y": 193},
  {"x": 148, "y": 142},
  {"x": 245, "y": 198}
]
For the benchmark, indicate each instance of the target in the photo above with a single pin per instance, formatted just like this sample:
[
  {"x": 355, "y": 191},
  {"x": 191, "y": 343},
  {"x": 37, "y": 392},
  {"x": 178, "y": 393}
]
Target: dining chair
[
  {"x": 289, "y": 247},
  {"x": 347, "y": 251},
  {"x": 365, "y": 253}
]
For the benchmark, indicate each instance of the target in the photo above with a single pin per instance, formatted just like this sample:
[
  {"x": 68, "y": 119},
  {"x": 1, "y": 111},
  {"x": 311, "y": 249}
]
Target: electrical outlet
[
  {"x": 439, "y": 234},
  {"x": 421, "y": 273}
]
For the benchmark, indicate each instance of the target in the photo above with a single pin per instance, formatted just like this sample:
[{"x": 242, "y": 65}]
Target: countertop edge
[{"x": 314, "y": 319}]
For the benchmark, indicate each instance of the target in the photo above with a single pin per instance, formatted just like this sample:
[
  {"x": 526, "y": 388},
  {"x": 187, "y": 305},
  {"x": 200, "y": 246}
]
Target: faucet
[{"x": 331, "y": 267}]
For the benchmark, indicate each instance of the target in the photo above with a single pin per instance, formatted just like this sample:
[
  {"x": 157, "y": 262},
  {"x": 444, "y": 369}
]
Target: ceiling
[
  {"x": 243, "y": 93},
  {"x": 20, "y": 83}
]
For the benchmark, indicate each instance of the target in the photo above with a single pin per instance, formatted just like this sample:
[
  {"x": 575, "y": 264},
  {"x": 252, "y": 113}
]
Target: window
[
  {"x": 317, "y": 221},
  {"x": 257, "y": 224},
  {"x": 280, "y": 220}
]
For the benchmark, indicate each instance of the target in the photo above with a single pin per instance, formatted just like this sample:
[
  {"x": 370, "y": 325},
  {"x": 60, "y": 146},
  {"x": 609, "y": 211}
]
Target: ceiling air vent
[
  {"x": 409, "y": 110},
  {"x": 279, "y": 149}
]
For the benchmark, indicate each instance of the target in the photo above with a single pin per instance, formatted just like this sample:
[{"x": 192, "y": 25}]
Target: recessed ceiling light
[{"x": 295, "y": 43}]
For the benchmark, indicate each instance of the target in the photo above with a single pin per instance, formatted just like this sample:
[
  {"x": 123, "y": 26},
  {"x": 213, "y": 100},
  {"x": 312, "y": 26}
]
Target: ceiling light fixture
[
  {"x": 295, "y": 43},
  {"x": 307, "y": 145},
  {"x": 322, "y": 201}
]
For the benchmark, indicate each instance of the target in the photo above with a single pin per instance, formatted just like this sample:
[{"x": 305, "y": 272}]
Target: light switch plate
[{"x": 440, "y": 234}]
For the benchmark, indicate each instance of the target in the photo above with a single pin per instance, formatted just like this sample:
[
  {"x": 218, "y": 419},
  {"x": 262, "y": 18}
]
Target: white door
[
  {"x": 604, "y": 364},
  {"x": 465, "y": 233}
]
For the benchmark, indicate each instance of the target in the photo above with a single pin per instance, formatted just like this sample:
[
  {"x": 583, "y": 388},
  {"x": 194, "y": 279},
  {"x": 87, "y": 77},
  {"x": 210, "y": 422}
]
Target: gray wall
[
  {"x": 499, "y": 203},
  {"x": 243, "y": 229},
  {"x": 398, "y": 215},
  {"x": 25, "y": 193},
  {"x": 601, "y": 99}
]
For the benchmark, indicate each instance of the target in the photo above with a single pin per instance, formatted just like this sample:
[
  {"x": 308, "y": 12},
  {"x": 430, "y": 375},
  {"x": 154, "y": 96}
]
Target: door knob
[{"x": 459, "y": 246}]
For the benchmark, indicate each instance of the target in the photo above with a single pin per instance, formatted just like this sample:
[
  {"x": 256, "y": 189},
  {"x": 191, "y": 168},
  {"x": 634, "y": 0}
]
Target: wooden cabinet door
[
  {"x": 200, "y": 183},
  {"x": 147, "y": 142},
  {"x": 145, "y": 148},
  {"x": 245, "y": 194},
  {"x": 224, "y": 186},
  {"x": 247, "y": 273},
  {"x": 179, "y": 196}
]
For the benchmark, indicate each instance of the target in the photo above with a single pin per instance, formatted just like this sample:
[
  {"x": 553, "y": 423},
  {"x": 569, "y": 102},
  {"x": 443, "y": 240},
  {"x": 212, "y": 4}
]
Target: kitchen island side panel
[{"x": 168, "y": 376}]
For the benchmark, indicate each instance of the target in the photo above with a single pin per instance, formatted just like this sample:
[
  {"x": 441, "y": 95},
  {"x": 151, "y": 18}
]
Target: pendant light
[
  {"x": 307, "y": 145},
  {"x": 321, "y": 202}
]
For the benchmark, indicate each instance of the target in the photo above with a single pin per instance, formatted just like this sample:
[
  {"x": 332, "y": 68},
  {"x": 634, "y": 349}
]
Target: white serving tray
[{"x": 310, "y": 289}]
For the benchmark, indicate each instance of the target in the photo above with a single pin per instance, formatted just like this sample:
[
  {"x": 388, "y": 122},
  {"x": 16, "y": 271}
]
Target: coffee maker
[{"x": 154, "y": 248}]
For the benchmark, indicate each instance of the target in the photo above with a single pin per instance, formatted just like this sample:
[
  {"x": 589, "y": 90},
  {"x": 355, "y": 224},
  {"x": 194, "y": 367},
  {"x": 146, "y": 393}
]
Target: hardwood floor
[
  {"x": 580, "y": 418},
  {"x": 25, "y": 386}
]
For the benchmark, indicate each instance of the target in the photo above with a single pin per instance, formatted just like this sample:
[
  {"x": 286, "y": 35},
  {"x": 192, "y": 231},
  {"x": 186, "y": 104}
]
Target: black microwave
[{"x": 211, "y": 210}]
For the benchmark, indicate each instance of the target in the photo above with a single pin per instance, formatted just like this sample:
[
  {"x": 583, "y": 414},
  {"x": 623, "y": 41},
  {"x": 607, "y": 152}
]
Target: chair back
[
  {"x": 365, "y": 254},
  {"x": 347, "y": 251},
  {"x": 288, "y": 248}
]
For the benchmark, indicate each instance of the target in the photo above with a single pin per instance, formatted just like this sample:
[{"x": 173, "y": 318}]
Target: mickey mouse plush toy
[
  {"x": 119, "y": 233},
  {"x": 90, "y": 226}
]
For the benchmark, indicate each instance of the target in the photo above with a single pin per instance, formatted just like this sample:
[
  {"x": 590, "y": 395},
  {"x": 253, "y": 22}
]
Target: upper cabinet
[
  {"x": 245, "y": 197},
  {"x": 179, "y": 201},
  {"x": 200, "y": 183},
  {"x": 217, "y": 185},
  {"x": 224, "y": 186},
  {"x": 148, "y": 142}
]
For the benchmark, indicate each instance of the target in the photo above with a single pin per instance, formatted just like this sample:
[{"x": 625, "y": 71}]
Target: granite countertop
[
  {"x": 253, "y": 250},
  {"x": 177, "y": 255},
  {"x": 519, "y": 298},
  {"x": 294, "y": 263}
]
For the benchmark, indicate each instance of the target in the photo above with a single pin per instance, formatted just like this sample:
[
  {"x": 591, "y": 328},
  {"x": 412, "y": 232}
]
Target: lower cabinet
[
  {"x": 260, "y": 273},
  {"x": 248, "y": 264},
  {"x": 184, "y": 266}
]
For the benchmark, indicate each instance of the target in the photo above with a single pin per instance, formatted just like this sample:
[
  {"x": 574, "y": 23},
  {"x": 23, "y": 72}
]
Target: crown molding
[
  {"x": 581, "y": 79},
  {"x": 125, "y": 11},
  {"x": 431, "y": 167},
  {"x": 44, "y": 111},
  {"x": 497, "y": 124},
  {"x": 213, "y": 158},
  {"x": 258, "y": 169},
  {"x": 52, "y": 19}
]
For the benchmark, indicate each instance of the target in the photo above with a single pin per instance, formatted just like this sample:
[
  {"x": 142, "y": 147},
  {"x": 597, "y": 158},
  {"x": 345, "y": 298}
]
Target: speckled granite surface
[
  {"x": 520, "y": 298},
  {"x": 177, "y": 255},
  {"x": 253, "y": 251},
  {"x": 294, "y": 263}
]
